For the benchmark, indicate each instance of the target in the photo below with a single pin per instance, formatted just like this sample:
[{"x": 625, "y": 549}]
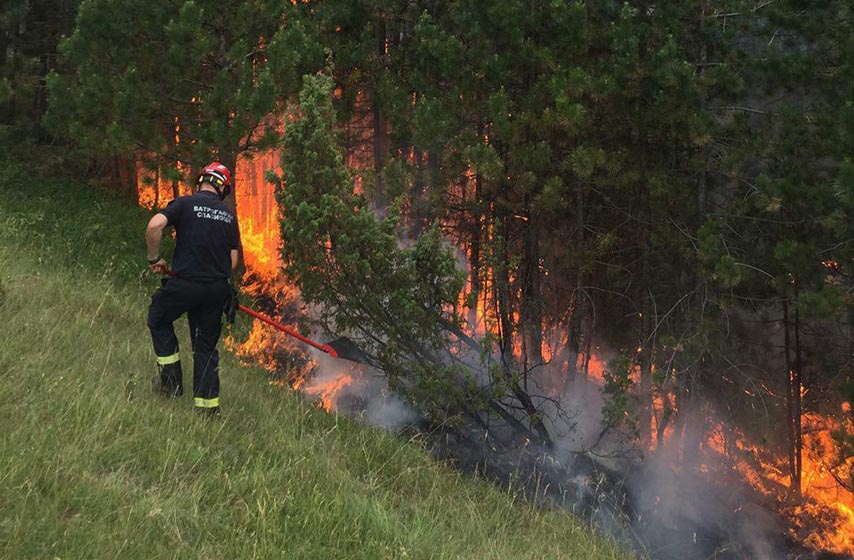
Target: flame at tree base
[
  {"x": 821, "y": 516},
  {"x": 327, "y": 390},
  {"x": 809, "y": 520}
]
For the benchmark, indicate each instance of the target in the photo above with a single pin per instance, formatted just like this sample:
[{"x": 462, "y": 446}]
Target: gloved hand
[{"x": 231, "y": 303}]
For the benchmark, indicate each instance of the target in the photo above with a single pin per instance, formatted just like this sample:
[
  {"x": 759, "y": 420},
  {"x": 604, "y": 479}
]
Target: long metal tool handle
[{"x": 287, "y": 330}]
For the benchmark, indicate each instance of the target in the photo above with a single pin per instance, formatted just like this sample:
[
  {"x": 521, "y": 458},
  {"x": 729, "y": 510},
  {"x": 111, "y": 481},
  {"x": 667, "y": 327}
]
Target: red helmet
[{"x": 217, "y": 175}]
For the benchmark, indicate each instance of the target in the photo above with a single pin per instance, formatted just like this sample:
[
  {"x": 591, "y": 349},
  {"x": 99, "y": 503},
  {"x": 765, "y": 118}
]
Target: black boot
[
  {"x": 208, "y": 412},
  {"x": 170, "y": 381},
  {"x": 165, "y": 390}
]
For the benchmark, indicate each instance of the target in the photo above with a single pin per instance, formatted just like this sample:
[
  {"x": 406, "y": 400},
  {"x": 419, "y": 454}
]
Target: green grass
[{"x": 92, "y": 465}]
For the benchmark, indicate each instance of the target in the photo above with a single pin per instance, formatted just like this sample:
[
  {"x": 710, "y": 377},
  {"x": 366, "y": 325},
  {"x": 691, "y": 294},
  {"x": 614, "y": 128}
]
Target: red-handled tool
[
  {"x": 322, "y": 347},
  {"x": 342, "y": 348}
]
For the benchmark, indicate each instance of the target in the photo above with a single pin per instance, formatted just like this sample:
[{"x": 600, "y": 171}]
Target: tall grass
[{"x": 93, "y": 465}]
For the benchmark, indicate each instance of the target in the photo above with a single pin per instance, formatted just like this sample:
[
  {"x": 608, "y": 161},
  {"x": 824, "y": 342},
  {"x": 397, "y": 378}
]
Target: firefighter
[{"x": 206, "y": 254}]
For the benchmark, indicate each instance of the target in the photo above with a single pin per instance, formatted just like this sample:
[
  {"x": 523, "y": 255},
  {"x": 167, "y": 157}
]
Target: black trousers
[{"x": 203, "y": 304}]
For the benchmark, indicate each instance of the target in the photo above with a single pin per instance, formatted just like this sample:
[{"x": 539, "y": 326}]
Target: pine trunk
[
  {"x": 793, "y": 401},
  {"x": 380, "y": 140},
  {"x": 531, "y": 305}
]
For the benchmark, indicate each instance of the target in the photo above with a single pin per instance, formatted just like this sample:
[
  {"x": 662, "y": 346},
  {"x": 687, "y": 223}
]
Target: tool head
[{"x": 346, "y": 349}]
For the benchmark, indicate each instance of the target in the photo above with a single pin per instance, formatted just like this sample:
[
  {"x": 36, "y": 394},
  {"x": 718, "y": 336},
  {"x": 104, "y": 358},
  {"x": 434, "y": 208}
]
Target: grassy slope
[{"x": 94, "y": 466}]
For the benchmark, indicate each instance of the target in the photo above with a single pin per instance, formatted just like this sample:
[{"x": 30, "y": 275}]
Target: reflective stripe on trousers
[
  {"x": 206, "y": 403},
  {"x": 166, "y": 360}
]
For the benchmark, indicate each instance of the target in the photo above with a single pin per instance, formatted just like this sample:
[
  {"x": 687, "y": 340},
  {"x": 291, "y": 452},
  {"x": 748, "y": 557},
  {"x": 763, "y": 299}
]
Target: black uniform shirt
[{"x": 206, "y": 232}]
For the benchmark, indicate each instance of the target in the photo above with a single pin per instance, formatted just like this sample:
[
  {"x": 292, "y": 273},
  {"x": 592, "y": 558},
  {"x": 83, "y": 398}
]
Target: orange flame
[
  {"x": 258, "y": 214},
  {"x": 328, "y": 392},
  {"x": 822, "y": 517}
]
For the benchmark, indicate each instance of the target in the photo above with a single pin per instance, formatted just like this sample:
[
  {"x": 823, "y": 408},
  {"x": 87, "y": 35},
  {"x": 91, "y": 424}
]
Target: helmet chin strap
[{"x": 221, "y": 191}]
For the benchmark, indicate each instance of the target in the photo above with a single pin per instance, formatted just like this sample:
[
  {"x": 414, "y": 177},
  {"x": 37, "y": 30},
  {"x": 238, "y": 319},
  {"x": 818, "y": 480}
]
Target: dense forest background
[{"x": 667, "y": 186}]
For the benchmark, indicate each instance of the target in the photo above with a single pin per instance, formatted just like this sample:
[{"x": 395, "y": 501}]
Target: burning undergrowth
[
  {"x": 660, "y": 503},
  {"x": 262, "y": 344},
  {"x": 694, "y": 494},
  {"x": 701, "y": 490},
  {"x": 333, "y": 383},
  {"x": 652, "y": 502}
]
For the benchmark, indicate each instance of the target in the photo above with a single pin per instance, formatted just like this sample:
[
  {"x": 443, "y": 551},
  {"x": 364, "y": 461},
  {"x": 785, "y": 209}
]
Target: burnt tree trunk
[
  {"x": 125, "y": 174},
  {"x": 501, "y": 286},
  {"x": 479, "y": 234},
  {"x": 644, "y": 364},
  {"x": 793, "y": 398},
  {"x": 581, "y": 324},
  {"x": 380, "y": 140},
  {"x": 646, "y": 342},
  {"x": 797, "y": 382},
  {"x": 687, "y": 421},
  {"x": 476, "y": 239},
  {"x": 157, "y": 187},
  {"x": 531, "y": 303}
]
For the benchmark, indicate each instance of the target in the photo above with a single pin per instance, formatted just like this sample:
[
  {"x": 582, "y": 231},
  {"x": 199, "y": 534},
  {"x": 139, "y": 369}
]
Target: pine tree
[
  {"x": 342, "y": 256},
  {"x": 29, "y": 35},
  {"x": 776, "y": 247},
  {"x": 182, "y": 82}
]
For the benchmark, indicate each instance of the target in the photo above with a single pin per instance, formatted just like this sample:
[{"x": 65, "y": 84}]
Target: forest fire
[
  {"x": 821, "y": 517},
  {"x": 652, "y": 209}
]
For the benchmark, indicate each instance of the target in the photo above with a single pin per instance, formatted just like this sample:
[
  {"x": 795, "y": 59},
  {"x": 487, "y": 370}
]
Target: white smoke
[{"x": 359, "y": 390}]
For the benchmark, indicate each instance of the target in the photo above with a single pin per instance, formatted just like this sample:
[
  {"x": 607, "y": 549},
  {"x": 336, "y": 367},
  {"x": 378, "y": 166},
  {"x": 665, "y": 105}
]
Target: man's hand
[
  {"x": 231, "y": 304},
  {"x": 159, "y": 267}
]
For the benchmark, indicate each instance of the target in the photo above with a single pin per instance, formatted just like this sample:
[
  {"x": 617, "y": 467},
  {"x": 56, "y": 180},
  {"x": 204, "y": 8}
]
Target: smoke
[
  {"x": 661, "y": 504},
  {"x": 681, "y": 501},
  {"x": 389, "y": 411},
  {"x": 680, "y": 513},
  {"x": 357, "y": 390},
  {"x": 572, "y": 406},
  {"x": 664, "y": 505}
]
